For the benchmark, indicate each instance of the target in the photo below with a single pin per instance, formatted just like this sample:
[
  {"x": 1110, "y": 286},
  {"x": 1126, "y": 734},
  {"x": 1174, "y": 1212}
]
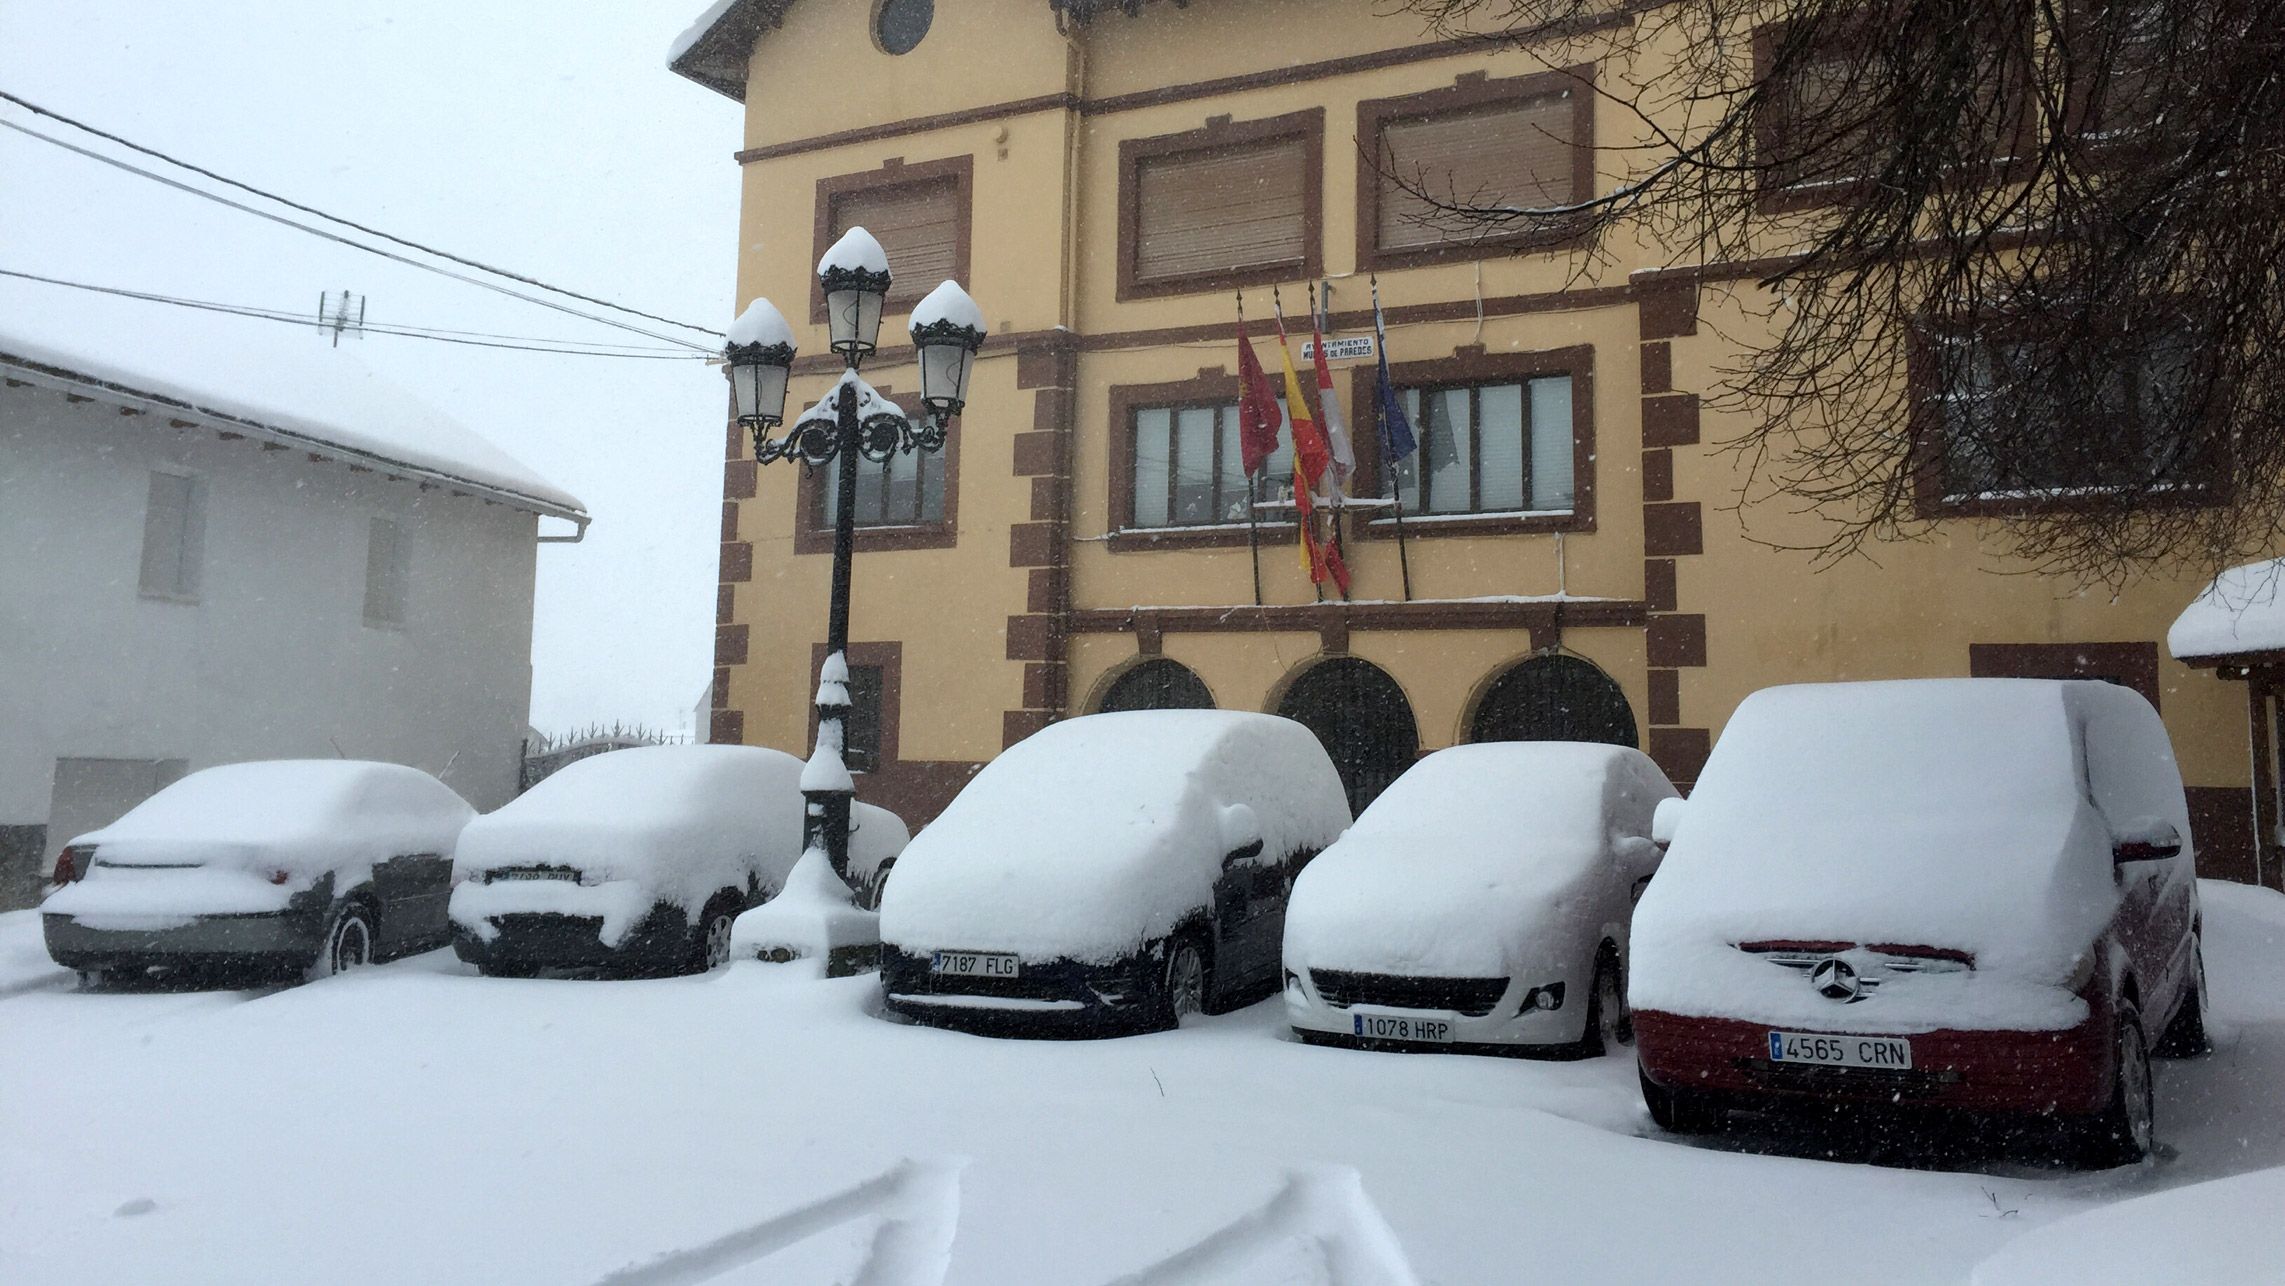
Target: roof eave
[
  {"x": 717, "y": 58},
  {"x": 66, "y": 380}
]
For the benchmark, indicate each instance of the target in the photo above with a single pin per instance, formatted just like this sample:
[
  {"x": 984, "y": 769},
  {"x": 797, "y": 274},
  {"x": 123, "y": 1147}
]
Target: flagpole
[
  {"x": 1388, "y": 462},
  {"x": 1339, "y": 517},
  {"x": 1253, "y": 482},
  {"x": 1304, "y": 517}
]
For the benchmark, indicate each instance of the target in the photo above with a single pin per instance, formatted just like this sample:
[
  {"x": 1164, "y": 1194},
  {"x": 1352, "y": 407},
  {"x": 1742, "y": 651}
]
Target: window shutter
[
  {"x": 1208, "y": 212},
  {"x": 918, "y": 224},
  {"x": 1518, "y": 154}
]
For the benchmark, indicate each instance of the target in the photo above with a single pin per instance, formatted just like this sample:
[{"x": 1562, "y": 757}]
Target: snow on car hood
[
  {"x": 1941, "y": 814},
  {"x": 1094, "y": 836},
  {"x": 1478, "y": 861}
]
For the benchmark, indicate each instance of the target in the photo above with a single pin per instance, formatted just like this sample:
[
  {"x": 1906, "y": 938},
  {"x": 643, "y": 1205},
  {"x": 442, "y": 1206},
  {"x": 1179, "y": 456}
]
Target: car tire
[
  {"x": 1609, "y": 1025},
  {"x": 2124, "y": 1131},
  {"x": 710, "y": 937},
  {"x": 94, "y": 979},
  {"x": 1184, "y": 981},
  {"x": 1679, "y": 1111},
  {"x": 348, "y": 942},
  {"x": 2185, "y": 1035}
]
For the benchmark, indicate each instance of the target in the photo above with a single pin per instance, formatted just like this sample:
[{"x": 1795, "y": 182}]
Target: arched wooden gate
[
  {"x": 1554, "y": 698},
  {"x": 1363, "y": 719},
  {"x": 1157, "y": 685}
]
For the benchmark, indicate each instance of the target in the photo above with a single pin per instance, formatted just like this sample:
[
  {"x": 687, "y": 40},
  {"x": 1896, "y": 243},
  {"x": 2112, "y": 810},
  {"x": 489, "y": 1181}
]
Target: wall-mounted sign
[{"x": 1348, "y": 349}]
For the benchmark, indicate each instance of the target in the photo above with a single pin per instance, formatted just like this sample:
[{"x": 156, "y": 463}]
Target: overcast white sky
[{"x": 548, "y": 138}]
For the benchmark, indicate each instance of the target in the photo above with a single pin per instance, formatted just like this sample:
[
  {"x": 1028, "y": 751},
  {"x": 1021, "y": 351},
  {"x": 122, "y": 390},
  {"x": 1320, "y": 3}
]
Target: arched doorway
[
  {"x": 1157, "y": 685},
  {"x": 1362, "y": 718},
  {"x": 1554, "y": 698}
]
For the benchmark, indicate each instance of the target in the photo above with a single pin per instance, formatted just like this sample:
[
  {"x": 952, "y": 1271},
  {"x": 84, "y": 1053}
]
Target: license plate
[
  {"x": 535, "y": 873},
  {"x": 1883, "y": 1052},
  {"x": 1392, "y": 1027},
  {"x": 973, "y": 964}
]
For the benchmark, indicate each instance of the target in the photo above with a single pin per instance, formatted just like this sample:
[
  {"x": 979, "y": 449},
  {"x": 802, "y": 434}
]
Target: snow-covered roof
[
  {"x": 306, "y": 394},
  {"x": 2242, "y": 611}
]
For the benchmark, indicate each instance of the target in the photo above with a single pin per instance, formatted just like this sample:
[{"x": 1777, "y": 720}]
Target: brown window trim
[
  {"x": 1927, "y": 437},
  {"x": 896, "y": 174},
  {"x": 1219, "y": 134},
  {"x": 1476, "y": 366},
  {"x": 1470, "y": 90},
  {"x": 2009, "y": 163},
  {"x": 2137, "y": 663},
  {"x": 1126, "y": 399},
  {"x": 2106, "y": 149},
  {"x": 809, "y": 502},
  {"x": 889, "y": 658}
]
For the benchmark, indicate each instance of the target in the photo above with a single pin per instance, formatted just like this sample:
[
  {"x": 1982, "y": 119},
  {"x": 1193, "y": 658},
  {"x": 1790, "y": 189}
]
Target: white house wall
[{"x": 274, "y": 659}]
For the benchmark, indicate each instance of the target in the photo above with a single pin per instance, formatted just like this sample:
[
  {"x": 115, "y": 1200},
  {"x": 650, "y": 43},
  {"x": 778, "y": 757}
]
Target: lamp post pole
[{"x": 855, "y": 424}]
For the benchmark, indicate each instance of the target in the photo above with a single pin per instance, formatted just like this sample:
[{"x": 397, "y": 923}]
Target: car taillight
[
  {"x": 279, "y": 877},
  {"x": 72, "y": 863}
]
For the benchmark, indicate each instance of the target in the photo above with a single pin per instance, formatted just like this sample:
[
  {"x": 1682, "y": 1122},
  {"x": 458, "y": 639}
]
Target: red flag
[{"x": 1257, "y": 407}]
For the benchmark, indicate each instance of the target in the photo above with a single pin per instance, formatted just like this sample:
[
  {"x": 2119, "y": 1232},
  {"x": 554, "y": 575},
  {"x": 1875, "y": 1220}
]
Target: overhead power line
[
  {"x": 479, "y": 339},
  {"x": 289, "y": 203}
]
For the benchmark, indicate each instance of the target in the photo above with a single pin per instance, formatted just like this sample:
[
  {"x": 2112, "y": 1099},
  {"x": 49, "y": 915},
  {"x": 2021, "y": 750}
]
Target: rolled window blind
[
  {"x": 1514, "y": 154},
  {"x": 918, "y": 224},
  {"x": 1220, "y": 211}
]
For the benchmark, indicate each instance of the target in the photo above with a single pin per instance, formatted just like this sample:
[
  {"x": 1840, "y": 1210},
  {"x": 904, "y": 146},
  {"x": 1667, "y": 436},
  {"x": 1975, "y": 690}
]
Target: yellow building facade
[{"x": 1588, "y": 570}]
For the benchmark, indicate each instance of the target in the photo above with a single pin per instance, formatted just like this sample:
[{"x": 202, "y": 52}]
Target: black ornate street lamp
[{"x": 849, "y": 423}]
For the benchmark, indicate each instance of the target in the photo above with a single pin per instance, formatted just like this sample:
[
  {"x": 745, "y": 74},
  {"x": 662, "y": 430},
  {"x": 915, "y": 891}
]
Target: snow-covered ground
[{"x": 417, "y": 1123}]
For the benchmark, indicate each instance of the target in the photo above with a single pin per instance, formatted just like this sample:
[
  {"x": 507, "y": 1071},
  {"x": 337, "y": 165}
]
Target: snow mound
[
  {"x": 1472, "y": 854},
  {"x": 815, "y": 914},
  {"x": 947, "y": 303},
  {"x": 857, "y": 249},
  {"x": 2210, "y": 1233},
  {"x": 652, "y": 824},
  {"x": 2242, "y": 610},
  {"x": 760, "y": 323},
  {"x": 295, "y": 387},
  {"x": 1942, "y": 813},
  {"x": 876, "y": 837},
  {"x": 1096, "y": 835}
]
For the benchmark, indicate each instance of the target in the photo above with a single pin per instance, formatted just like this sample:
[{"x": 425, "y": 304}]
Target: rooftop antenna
[{"x": 341, "y": 314}]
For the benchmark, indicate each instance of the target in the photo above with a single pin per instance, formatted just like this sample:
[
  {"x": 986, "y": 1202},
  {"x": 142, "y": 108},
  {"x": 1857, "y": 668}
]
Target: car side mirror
[
  {"x": 1665, "y": 819},
  {"x": 2145, "y": 839},
  {"x": 1241, "y": 835}
]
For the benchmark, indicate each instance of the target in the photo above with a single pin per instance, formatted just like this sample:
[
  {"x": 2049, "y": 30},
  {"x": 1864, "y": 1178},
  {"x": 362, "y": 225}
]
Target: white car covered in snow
[
  {"x": 1111, "y": 871},
  {"x": 1970, "y": 894},
  {"x": 290, "y": 866},
  {"x": 636, "y": 861},
  {"x": 1481, "y": 904}
]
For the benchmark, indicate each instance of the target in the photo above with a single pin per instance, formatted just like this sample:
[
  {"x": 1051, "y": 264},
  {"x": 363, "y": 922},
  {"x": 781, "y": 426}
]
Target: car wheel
[
  {"x": 94, "y": 979},
  {"x": 2186, "y": 1035},
  {"x": 1184, "y": 986},
  {"x": 348, "y": 943},
  {"x": 710, "y": 947},
  {"x": 1609, "y": 1026},
  {"x": 2123, "y": 1132},
  {"x": 1679, "y": 1111}
]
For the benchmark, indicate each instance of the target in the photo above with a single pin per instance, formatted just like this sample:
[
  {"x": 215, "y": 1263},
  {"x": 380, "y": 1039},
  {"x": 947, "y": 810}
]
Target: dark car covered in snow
[
  {"x": 305, "y": 866},
  {"x": 1109, "y": 873}
]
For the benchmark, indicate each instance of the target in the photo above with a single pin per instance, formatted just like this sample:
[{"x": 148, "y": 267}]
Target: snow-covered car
[
  {"x": 291, "y": 866},
  {"x": 634, "y": 861},
  {"x": 1942, "y": 893},
  {"x": 1481, "y": 904},
  {"x": 1109, "y": 872}
]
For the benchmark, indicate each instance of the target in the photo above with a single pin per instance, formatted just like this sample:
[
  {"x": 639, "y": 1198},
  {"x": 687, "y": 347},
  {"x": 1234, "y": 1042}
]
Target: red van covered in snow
[{"x": 1971, "y": 894}]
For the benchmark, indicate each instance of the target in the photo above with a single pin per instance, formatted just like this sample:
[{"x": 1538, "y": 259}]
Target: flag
[
  {"x": 1312, "y": 460},
  {"x": 1258, "y": 416},
  {"x": 1397, "y": 441},
  {"x": 1329, "y": 408}
]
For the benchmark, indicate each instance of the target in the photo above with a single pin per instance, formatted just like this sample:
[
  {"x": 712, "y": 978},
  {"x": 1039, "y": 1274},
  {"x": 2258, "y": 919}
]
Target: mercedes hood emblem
[{"x": 1836, "y": 979}]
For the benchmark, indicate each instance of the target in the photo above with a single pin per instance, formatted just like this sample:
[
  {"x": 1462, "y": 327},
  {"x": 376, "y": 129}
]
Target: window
[
  {"x": 1816, "y": 126},
  {"x": 174, "y": 533},
  {"x": 2126, "y": 48},
  {"x": 1992, "y": 435},
  {"x": 387, "y": 573},
  {"x": 900, "y": 25},
  {"x": 861, "y": 750},
  {"x": 1489, "y": 448},
  {"x": 1188, "y": 469},
  {"x": 1222, "y": 206},
  {"x": 1525, "y": 142},
  {"x": 908, "y": 491},
  {"x": 920, "y": 215}
]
